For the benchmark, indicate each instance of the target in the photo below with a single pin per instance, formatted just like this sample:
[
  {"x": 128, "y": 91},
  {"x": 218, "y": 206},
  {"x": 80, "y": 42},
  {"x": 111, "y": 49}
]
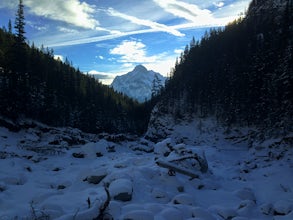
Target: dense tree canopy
[
  {"x": 242, "y": 74},
  {"x": 35, "y": 85}
]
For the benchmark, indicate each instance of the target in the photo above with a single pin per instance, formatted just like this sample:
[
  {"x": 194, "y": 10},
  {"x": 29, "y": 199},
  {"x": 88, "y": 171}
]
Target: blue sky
[{"x": 110, "y": 37}]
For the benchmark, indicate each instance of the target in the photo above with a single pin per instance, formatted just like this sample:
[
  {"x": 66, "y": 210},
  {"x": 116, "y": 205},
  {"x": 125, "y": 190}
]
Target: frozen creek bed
[{"x": 45, "y": 178}]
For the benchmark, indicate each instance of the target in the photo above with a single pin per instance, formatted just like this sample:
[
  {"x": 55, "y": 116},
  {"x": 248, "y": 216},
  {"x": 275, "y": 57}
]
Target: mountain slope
[
  {"x": 139, "y": 83},
  {"x": 35, "y": 85},
  {"x": 242, "y": 74}
]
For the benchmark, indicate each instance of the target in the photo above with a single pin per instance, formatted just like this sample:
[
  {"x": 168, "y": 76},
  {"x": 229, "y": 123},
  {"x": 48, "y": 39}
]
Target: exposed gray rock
[
  {"x": 95, "y": 179},
  {"x": 124, "y": 197}
]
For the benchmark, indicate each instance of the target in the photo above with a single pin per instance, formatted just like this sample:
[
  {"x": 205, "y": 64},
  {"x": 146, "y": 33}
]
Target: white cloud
[
  {"x": 104, "y": 77},
  {"x": 59, "y": 57},
  {"x": 36, "y": 26},
  {"x": 70, "y": 11},
  {"x": 69, "y": 42},
  {"x": 8, "y": 4},
  {"x": 185, "y": 10},
  {"x": 148, "y": 23},
  {"x": 199, "y": 17},
  {"x": 219, "y": 4},
  {"x": 129, "y": 48},
  {"x": 178, "y": 51},
  {"x": 131, "y": 51},
  {"x": 162, "y": 66},
  {"x": 66, "y": 30},
  {"x": 128, "y": 65},
  {"x": 115, "y": 25},
  {"x": 232, "y": 11},
  {"x": 101, "y": 57}
]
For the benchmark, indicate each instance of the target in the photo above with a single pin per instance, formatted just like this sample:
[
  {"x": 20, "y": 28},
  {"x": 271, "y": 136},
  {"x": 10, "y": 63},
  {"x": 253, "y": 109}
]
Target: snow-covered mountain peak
[
  {"x": 138, "y": 83},
  {"x": 140, "y": 69}
]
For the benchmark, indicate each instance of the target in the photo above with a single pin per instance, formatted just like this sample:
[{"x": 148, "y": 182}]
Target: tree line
[{"x": 35, "y": 85}]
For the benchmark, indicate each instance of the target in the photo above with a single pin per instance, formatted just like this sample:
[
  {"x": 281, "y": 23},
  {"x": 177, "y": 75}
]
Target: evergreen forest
[
  {"x": 242, "y": 74},
  {"x": 35, "y": 85}
]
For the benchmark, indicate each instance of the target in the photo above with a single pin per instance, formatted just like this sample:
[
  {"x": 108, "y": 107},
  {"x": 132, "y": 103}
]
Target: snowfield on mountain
[{"x": 138, "y": 83}]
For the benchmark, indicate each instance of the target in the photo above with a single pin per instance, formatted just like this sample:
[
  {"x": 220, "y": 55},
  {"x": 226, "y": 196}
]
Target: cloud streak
[
  {"x": 80, "y": 14},
  {"x": 195, "y": 16},
  {"x": 67, "y": 42},
  {"x": 184, "y": 10},
  {"x": 115, "y": 35},
  {"x": 151, "y": 24},
  {"x": 104, "y": 77}
]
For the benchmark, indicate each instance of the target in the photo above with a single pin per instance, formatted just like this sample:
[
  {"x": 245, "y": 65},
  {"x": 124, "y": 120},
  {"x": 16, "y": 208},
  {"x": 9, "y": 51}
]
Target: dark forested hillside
[
  {"x": 35, "y": 85},
  {"x": 242, "y": 74}
]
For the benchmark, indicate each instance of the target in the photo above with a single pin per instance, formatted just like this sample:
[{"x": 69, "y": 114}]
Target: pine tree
[
  {"x": 192, "y": 43},
  {"x": 19, "y": 62},
  {"x": 9, "y": 27},
  {"x": 156, "y": 86},
  {"x": 20, "y": 23}
]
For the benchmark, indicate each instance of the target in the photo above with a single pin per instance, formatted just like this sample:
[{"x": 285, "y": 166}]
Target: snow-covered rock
[
  {"x": 183, "y": 199},
  {"x": 267, "y": 209},
  {"x": 121, "y": 189},
  {"x": 163, "y": 148},
  {"x": 246, "y": 194},
  {"x": 200, "y": 213},
  {"x": 139, "y": 215},
  {"x": 94, "y": 179},
  {"x": 283, "y": 207},
  {"x": 92, "y": 149},
  {"x": 160, "y": 194},
  {"x": 224, "y": 212},
  {"x": 171, "y": 214},
  {"x": 138, "y": 83}
]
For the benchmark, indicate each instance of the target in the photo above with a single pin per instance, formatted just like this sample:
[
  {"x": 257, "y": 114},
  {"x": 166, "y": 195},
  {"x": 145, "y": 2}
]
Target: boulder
[
  {"x": 283, "y": 207},
  {"x": 95, "y": 179},
  {"x": 121, "y": 189},
  {"x": 183, "y": 199}
]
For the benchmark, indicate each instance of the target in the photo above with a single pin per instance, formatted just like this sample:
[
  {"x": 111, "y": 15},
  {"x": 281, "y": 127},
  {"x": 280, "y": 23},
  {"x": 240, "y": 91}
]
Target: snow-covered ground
[{"x": 50, "y": 173}]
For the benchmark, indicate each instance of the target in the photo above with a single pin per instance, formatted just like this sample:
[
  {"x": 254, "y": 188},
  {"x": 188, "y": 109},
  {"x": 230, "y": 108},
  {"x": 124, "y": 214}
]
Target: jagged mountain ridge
[{"x": 138, "y": 83}]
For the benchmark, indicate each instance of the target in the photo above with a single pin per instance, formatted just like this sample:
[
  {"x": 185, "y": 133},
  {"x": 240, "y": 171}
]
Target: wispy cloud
[
  {"x": 151, "y": 24},
  {"x": 219, "y": 4},
  {"x": 232, "y": 11},
  {"x": 72, "y": 12},
  {"x": 8, "y": 4},
  {"x": 178, "y": 51},
  {"x": 184, "y": 10},
  {"x": 86, "y": 40},
  {"x": 36, "y": 26},
  {"x": 67, "y": 41},
  {"x": 104, "y": 77},
  {"x": 66, "y": 30},
  {"x": 199, "y": 17}
]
